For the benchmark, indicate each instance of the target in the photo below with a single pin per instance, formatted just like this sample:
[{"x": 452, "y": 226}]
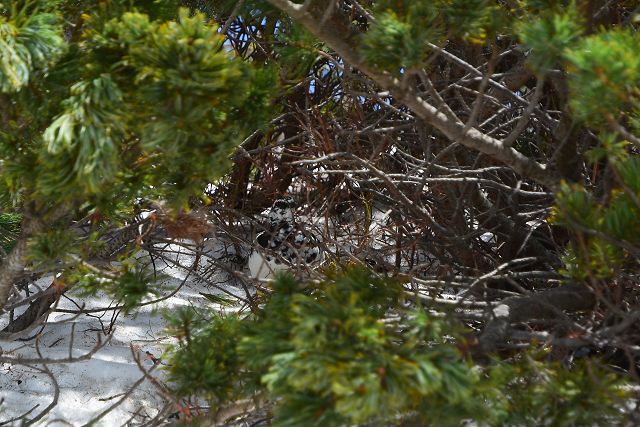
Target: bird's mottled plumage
[
  {"x": 281, "y": 212},
  {"x": 284, "y": 243}
]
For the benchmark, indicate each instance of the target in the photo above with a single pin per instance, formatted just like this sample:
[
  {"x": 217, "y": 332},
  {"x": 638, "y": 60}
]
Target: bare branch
[{"x": 336, "y": 33}]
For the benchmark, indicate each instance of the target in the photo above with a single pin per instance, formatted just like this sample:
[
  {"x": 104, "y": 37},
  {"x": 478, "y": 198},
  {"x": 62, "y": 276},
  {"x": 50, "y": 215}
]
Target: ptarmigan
[{"x": 283, "y": 244}]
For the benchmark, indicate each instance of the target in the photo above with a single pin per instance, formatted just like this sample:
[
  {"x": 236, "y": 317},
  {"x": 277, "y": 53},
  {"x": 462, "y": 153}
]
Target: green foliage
[
  {"x": 634, "y": 120},
  {"x": 188, "y": 87},
  {"x": 123, "y": 99},
  {"x": 472, "y": 20},
  {"x": 629, "y": 173},
  {"x": 258, "y": 107},
  {"x": 154, "y": 106},
  {"x": 129, "y": 285},
  {"x": 221, "y": 300},
  {"x": 53, "y": 247},
  {"x": 399, "y": 36},
  {"x": 342, "y": 361},
  {"x": 544, "y": 6},
  {"x": 31, "y": 41},
  {"x": 612, "y": 149},
  {"x": 324, "y": 352},
  {"x": 550, "y": 37},
  {"x": 172, "y": 87},
  {"x": 605, "y": 76},
  {"x": 391, "y": 43},
  {"x": 606, "y": 233},
  {"x": 87, "y": 133},
  {"x": 297, "y": 51},
  {"x": 345, "y": 352},
  {"x": 541, "y": 392},
  {"x": 603, "y": 71},
  {"x": 110, "y": 104},
  {"x": 208, "y": 350},
  {"x": 9, "y": 229}
]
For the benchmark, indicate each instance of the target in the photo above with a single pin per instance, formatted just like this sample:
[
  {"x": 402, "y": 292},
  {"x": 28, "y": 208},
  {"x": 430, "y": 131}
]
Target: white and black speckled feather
[
  {"x": 283, "y": 244},
  {"x": 281, "y": 212}
]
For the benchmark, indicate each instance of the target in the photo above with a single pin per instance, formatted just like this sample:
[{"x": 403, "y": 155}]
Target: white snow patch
[{"x": 89, "y": 387}]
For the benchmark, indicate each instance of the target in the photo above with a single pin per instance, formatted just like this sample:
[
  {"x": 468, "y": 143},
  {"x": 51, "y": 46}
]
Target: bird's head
[{"x": 281, "y": 212}]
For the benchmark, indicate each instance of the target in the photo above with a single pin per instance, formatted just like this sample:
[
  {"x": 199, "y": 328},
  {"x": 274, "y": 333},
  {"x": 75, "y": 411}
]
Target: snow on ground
[{"x": 88, "y": 388}]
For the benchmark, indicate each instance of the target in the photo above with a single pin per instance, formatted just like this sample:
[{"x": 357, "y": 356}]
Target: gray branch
[{"x": 339, "y": 36}]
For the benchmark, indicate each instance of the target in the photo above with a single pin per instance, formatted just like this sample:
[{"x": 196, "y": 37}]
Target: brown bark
[
  {"x": 35, "y": 314},
  {"x": 13, "y": 265}
]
